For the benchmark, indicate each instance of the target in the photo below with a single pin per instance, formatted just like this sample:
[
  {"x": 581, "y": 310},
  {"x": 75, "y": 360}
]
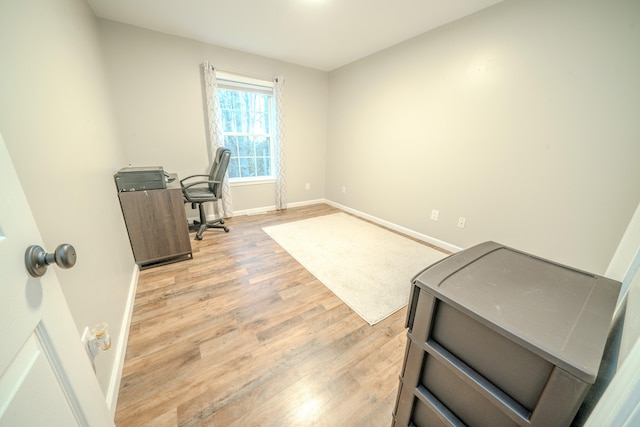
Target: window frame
[{"x": 236, "y": 82}]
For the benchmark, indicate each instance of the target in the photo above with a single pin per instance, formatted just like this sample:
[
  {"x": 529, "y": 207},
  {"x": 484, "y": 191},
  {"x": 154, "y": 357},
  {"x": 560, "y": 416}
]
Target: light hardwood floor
[{"x": 243, "y": 335}]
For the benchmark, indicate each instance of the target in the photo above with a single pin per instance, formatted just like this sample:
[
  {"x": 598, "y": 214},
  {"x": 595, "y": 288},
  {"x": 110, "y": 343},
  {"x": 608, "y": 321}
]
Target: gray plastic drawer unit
[{"x": 498, "y": 337}]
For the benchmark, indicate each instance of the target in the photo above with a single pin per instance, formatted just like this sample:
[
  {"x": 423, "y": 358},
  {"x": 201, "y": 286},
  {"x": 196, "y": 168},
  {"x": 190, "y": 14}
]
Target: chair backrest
[{"x": 218, "y": 169}]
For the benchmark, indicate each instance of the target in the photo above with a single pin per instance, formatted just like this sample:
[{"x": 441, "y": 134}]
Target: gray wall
[
  {"x": 57, "y": 122},
  {"x": 156, "y": 82},
  {"x": 522, "y": 118}
]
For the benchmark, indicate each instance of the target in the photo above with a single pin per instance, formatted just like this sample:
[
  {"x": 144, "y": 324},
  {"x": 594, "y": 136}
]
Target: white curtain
[
  {"x": 281, "y": 182},
  {"x": 216, "y": 138}
]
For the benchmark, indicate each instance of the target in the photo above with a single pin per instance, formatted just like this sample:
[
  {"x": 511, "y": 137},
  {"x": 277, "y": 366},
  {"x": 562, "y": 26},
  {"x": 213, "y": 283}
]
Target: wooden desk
[{"x": 157, "y": 225}]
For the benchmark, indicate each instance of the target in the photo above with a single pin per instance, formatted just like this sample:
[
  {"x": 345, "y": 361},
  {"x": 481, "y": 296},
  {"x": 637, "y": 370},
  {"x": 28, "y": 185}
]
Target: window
[{"x": 247, "y": 127}]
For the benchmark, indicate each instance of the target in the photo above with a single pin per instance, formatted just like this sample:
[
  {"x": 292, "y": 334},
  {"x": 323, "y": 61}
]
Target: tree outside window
[{"x": 247, "y": 128}]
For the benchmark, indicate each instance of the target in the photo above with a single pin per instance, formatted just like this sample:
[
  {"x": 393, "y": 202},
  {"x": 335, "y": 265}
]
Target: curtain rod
[{"x": 253, "y": 76}]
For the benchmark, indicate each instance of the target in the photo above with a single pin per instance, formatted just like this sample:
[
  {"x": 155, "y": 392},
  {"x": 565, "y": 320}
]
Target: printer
[{"x": 140, "y": 178}]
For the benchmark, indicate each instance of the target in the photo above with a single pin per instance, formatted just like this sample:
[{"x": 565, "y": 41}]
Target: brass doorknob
[{"x": 37, "y": 259}]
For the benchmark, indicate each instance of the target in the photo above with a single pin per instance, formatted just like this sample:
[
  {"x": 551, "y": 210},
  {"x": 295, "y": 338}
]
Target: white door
[{"x": 45, "y": 375}]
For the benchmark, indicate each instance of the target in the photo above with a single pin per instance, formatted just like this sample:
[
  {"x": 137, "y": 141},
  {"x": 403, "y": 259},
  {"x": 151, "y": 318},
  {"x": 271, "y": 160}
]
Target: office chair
[{"x": 207, "y": 190}]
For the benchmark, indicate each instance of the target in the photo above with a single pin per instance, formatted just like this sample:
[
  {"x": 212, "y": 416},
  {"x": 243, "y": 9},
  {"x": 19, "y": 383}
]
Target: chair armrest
[
  {"x": 208, "y": 181},
  {"x": 191, "y": 176}
]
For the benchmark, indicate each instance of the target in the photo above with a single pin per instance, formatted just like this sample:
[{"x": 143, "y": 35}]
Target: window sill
[{"x": 241, "y": 183}]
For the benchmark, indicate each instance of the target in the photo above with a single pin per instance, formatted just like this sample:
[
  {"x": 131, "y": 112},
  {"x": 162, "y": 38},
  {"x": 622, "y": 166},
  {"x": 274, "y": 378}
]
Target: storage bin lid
[{"x": 558, "y": 312}]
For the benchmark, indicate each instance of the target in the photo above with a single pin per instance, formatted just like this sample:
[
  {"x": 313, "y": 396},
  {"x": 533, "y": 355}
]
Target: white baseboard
[
  {"x": 121, "y": 347},
  {"x": 423, "y": 237},
  {"x": 264, "y": 209}
]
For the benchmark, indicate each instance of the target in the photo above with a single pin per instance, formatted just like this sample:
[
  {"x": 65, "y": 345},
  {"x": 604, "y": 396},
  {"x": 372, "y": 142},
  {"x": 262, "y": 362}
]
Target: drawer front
[
  {"x": 514, "y": 369},
  {"x": 470, "y": 406}
]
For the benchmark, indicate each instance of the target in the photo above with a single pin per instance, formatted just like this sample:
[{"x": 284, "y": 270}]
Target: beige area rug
[{"x": 366, "y": 266}]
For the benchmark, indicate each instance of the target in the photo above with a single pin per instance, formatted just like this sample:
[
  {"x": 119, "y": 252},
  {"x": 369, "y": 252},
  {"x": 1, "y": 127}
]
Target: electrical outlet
[
  {"x": 307, "y": 186},
  {"x": 434, "y": 214},
  {"x": 85, "y": 343},
  {"x": 85, "y": 336},
  {"x": 344, "y": 189},
  {"x": 461, "y": 222}
]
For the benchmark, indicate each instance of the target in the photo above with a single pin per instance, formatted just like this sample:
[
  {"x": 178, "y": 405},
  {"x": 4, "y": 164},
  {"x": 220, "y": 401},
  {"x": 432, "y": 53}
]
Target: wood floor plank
[{"x": 243, "y": 335}]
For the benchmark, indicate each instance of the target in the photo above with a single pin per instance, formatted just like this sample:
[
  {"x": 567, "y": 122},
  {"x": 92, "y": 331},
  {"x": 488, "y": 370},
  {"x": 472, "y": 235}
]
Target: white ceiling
[{"x": 321, "y": 34}]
